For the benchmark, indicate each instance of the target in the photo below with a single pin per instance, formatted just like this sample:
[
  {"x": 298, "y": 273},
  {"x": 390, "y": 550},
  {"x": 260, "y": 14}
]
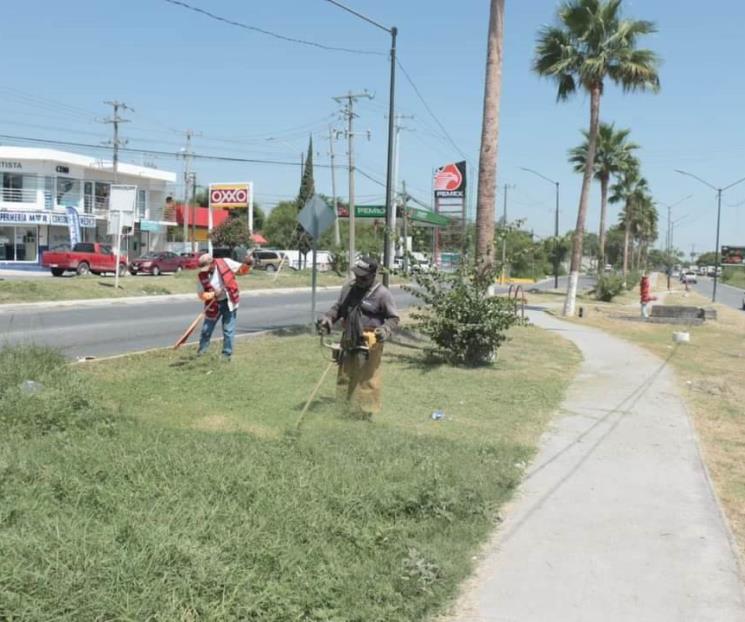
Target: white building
[{"x": 39, "y": 185}]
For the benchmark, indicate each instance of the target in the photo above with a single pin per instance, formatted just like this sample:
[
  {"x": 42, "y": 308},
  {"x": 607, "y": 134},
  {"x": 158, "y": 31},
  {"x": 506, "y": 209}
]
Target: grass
[
  {"x": 734, "y": 277},
  {"x": 202, "y": 502},
  {"x": 710, "y": 371},
  {"x": 38, "y": 289}
]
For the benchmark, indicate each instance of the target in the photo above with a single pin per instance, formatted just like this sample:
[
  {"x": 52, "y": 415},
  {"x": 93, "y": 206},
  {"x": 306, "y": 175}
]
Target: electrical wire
[
  {"x": 429, "y": 110},
  {"x": 272, "y": 34}
]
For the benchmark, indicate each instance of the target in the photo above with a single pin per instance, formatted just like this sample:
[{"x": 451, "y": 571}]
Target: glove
[
  {"x": 323, "y": 325},
  {"x": 207, "y": 296},
  {"x": 382, "y": 333}
]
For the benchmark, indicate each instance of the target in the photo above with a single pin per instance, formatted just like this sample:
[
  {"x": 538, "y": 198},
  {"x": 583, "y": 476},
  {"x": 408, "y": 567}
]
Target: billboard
[
  {"x": 733, "y": 255},
  {"x": 230, "y": 195},
  {"x": 450, "y": 181}
]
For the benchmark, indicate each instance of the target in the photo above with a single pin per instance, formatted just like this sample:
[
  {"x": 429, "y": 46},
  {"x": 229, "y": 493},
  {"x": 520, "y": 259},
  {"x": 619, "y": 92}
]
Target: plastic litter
[
  {"x": 31, "y": 387},
  {"x": 438, "y": 415}
]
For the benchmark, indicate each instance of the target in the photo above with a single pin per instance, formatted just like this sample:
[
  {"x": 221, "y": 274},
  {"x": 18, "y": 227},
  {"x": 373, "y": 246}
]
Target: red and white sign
[
  {"x": 448, "y": 178},
  {"x": 230, "y": 196}
]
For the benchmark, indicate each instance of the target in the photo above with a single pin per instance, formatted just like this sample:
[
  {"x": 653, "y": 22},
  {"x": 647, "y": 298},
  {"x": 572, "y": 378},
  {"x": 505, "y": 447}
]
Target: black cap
[{"x": 365, "y": 266}]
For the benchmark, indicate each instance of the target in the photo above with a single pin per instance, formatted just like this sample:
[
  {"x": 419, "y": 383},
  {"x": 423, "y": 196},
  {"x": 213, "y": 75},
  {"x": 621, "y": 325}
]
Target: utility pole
[
  {"x": 405, "y": 216},
  {"x": 334, "y": 202},
  {"x": 348, "y": 112},
  {"x": 396, "y": 150},
  {"x": 187, "y": 183},
  {"x": 504, "y": 232},
  {"x": 116, "y": 142}
]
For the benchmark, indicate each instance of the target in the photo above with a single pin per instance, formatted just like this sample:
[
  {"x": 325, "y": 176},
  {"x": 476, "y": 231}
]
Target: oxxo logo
[{"x": 229, "y": 196}]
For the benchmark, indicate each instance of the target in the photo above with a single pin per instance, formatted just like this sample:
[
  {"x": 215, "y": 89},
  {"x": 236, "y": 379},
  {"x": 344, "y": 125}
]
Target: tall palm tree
[
  {"x": 592, "y": 44},
  {"x": 612, "y": 152},
  {"x": 487, "y": 189},
  {"x": 633, "y": 191}
]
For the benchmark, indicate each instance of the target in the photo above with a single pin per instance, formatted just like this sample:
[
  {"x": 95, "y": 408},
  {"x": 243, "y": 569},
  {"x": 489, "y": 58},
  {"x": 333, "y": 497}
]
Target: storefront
[{"x": 42, "y": 189}]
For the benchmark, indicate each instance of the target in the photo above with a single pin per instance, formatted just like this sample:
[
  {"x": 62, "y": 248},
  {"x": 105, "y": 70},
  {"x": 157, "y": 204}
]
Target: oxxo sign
[{"x": 230, "y": 196}]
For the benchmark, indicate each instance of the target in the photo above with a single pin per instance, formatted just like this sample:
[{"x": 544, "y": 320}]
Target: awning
[{"x": 257, "y": 238}]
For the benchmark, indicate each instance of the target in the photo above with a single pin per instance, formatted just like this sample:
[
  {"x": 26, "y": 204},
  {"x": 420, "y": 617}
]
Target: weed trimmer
[
  {"x": 337, "y": 356},
  {"x": 182, "y": 340}
]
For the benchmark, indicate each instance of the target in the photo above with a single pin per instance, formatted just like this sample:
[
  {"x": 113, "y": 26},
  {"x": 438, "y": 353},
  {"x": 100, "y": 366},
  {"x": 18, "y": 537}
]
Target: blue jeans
[{"x": 228, "y": 329}]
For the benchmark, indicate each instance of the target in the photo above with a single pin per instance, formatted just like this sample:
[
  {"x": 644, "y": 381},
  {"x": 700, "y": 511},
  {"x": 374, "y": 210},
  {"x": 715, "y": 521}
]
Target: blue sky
[{"x": 253, "y": 96}]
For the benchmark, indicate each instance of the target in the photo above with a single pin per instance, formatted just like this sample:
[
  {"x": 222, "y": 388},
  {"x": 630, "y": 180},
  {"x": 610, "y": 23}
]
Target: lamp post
[
  {"x": 719, "y": 192},
  {"x": 669, "y": 236},
  {"x": 556, "y": 223},
  {"x": 389, "y": 189}
]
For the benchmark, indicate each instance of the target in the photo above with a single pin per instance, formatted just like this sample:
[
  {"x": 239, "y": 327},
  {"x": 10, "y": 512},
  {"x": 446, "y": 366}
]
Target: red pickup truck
[{"x": 85, "y": 257}]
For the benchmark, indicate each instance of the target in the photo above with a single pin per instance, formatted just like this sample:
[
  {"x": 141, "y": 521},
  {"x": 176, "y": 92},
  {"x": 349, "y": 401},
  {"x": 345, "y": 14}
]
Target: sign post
[
  {"x": 121, "y": 214},
  {"x": 315, "y": 217}
]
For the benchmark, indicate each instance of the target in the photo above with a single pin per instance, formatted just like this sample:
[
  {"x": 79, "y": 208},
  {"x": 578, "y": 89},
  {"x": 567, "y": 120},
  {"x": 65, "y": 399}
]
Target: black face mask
[{"x": 364, "y": 281}]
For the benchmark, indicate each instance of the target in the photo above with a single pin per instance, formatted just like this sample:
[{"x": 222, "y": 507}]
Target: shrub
[
  {"x": 40, "y": 394},
  {"x": 339, "y": 261},
  {"x": 608, "y": 287},
  {"x": 459, "y": 315},
  {"x": 633, "y": 278}
]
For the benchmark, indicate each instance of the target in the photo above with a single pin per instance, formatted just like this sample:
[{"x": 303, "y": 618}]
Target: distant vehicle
[
  {"x": 191, "y": 260},
  {"x": 703, "y": 270},
  {"x": 156, "y": 263},
  {"x": 269, "y": 260},
  {"x": 608, "y": 268},
  {"x": 417, "y": 262},
  {"x": 84, "y": 258},
  {"x": 689, "y": 277},
  {"x": 711, "y": 271}
]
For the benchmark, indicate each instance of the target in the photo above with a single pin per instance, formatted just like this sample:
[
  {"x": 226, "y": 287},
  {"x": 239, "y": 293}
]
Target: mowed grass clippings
[
  {"x": 206, "y": 503},
  {"x": 710, "y": 371}
]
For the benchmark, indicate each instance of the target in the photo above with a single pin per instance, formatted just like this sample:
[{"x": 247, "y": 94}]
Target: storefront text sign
[{"x": 43, "y": 218}]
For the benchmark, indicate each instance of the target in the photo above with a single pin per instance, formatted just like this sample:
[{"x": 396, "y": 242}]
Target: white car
[{"x": 689, "y": 277}]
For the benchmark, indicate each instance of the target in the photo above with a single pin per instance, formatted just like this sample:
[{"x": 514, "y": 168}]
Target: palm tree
[
  {"x": 633, "y": 191},
  {"x": 592, "y": 44},
  {"x": 612, "y": 152},
  {"x": 487, "y": 190}
]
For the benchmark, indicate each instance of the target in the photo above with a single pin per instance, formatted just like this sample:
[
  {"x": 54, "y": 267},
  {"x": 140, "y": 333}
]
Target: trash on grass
[{"x": 437, "y": 415}]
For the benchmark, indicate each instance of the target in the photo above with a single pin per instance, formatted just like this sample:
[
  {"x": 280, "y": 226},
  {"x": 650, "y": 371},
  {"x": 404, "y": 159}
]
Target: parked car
[
  {"x": 191, "y": 260},
  {"x": 269, "y": 260},
  {"x": 84, "y": 258},
  {"x": 156, "y": 263}
]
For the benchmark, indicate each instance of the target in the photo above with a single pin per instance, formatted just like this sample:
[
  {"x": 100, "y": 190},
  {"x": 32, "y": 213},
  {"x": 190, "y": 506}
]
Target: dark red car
[
  {"x": 191, "y": 260},
  {"x": 156, "y": 263}
]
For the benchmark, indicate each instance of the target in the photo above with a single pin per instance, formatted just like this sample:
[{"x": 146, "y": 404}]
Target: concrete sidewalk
[{"x": 616, "y": 519}]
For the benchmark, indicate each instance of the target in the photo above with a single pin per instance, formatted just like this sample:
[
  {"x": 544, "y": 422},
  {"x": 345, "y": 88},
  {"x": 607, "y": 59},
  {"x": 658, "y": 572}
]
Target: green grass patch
[
  {"x": 203, "y": 502},
  {"x": 37, "y": 289},
  {"x": 734, "y": 276}
]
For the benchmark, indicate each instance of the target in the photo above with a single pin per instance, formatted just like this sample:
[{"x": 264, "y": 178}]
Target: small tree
[
  {"x": 231, "y": 232},
  {"x": 281, "y": 224},
  {"x": 466, "y": 323}
]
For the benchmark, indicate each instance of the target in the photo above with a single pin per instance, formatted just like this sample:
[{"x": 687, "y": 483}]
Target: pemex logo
[{"x": 448, "y": 178}]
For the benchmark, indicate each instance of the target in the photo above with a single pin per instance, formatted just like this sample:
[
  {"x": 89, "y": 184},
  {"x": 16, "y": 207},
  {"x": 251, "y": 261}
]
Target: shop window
[
  {"x": 103, "y": 191},
  {"x": 19, "y": 188},
  {"x": 68, "y": 192},
  {"x": 142, "y": 204},
  {"x": 19, "y": 243},
  {"x": 88, "y": 197}
]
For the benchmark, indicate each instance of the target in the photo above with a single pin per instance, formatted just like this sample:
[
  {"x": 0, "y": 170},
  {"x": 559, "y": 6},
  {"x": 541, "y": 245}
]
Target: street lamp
[
  {"x": 389, "y": 189},
  {"x": 719, "y": 218},
  {"x": 669, "y": 236},
  {"x": 556, "y": 223}
]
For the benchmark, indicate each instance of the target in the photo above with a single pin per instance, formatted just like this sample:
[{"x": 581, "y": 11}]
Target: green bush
[
  {"x": 608, "y": 287},
  {"x": 41, "y": 394},
  {"x": 633, "y": 278},
  {"x": 459, "y": 315},
  {"x": 339, "y": 260}
]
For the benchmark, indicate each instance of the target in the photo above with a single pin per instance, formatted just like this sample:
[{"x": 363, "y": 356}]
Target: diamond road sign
[{"x": 316, "y": 216}]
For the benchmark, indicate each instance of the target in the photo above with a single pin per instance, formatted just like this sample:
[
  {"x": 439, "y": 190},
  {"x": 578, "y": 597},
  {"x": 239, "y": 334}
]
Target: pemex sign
[{"x": 231, "y": 195}]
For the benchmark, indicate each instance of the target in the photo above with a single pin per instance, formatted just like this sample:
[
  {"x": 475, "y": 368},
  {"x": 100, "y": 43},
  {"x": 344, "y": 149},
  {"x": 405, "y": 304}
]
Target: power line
[
  {"x": 272, "y": 34},
  {"x": 153, "y": 152},
  {"x": 429, "y": 110}
]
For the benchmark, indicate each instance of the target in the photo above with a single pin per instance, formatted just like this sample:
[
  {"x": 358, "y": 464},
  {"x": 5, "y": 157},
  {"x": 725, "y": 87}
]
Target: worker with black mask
[{"x": 369, "y": 316}]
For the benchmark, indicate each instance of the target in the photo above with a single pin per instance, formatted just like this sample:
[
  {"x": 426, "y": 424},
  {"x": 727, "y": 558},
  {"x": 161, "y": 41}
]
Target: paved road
[
  {"x": 726, "y": 294},
  {"x": 130, "y": 326}
]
